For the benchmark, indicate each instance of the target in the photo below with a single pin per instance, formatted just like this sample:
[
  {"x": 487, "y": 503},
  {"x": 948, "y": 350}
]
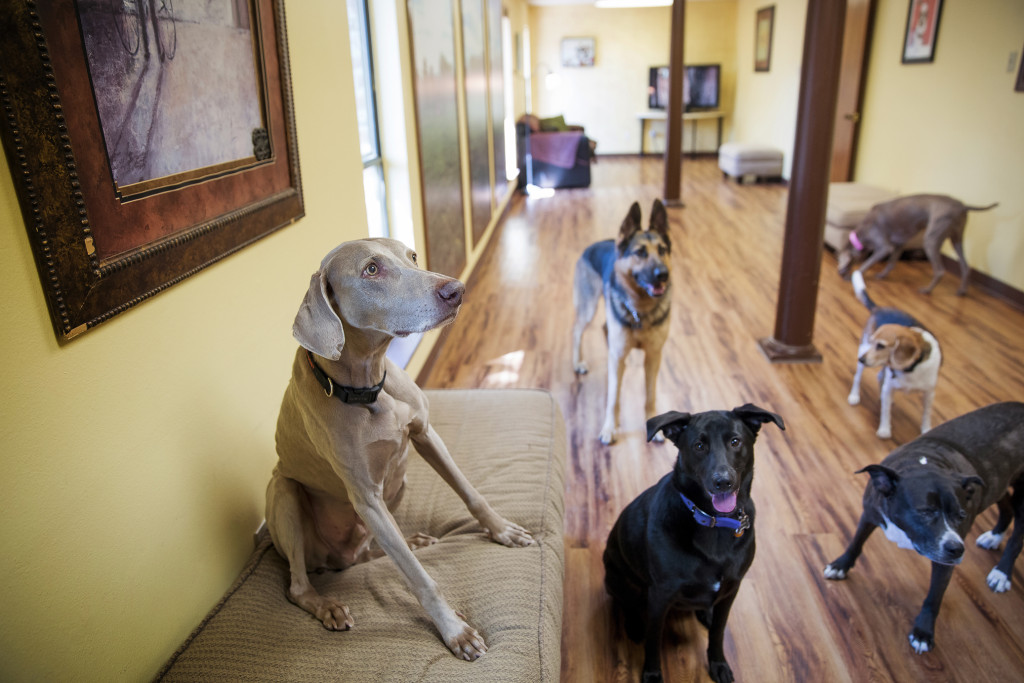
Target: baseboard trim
[{"x": 990, "y": 285}]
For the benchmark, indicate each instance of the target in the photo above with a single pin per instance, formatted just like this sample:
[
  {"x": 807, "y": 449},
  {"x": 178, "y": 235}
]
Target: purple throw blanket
[{"x": 557, "y": 149}]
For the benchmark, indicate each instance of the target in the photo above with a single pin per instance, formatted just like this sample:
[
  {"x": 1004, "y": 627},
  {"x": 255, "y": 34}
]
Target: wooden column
[
  {"x": 674, "y": 110},
  {"x": 808, "y": 185}
]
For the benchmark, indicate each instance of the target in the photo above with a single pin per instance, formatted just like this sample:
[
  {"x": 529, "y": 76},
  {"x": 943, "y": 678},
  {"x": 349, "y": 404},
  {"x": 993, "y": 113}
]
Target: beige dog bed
[{"x": 511, "y": 445}]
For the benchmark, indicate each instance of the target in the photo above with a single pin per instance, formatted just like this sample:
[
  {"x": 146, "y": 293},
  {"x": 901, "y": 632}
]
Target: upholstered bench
[
  {"x": 848, "y": 204},
  {"x": 739, "y": 159},
  {"x": 511, "y": 444}
]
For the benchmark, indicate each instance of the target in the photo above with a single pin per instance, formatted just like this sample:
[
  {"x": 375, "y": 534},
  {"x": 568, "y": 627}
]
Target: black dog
[
  {"x": 926, "y": 494},
  {"x": 687, "y": 541}
]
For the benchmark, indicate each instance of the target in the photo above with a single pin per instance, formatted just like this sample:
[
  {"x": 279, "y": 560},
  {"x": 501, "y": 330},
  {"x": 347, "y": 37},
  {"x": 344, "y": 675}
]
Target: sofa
[
  {"x": 511, "y": 444},
  {"x": 552, "y": 154}
]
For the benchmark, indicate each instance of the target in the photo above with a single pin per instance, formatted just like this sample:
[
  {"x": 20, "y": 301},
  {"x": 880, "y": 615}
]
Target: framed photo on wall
[
  {"x": 146, "y": 141},
  {"x": 577, "y": 52},
  {"x": 922, "y": 31},
  {"x": 763, "y": 28}
]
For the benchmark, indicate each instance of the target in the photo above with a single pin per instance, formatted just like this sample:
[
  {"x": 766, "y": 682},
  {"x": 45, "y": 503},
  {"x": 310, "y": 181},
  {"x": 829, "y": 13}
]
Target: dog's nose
[
  {"x": 721, "y": 482},
  {"x": 953, "y": 548},
  {"x": 451, "y": 292},
  {"x": 660, "y": 274}
]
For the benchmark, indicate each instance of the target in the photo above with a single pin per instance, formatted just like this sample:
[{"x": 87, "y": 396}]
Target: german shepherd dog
[{"x": 632, "y": 273}]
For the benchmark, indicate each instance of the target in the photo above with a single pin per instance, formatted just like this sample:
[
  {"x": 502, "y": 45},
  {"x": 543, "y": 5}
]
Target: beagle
[{"x": 908, "y": 354}]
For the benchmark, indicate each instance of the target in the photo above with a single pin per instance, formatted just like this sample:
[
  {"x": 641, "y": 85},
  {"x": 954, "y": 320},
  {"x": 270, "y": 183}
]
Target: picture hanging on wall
[
  {"x": 1020, "y": 75},
  {"x": 577, "y": 52},
  {"x": 922, "y": 31},
  {"x": 763, "y": 38},
  {"x": 129, "y": 181}
]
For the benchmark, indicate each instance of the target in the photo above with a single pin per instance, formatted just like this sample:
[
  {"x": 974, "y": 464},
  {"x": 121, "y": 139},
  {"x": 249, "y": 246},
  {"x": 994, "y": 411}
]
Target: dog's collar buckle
[{"x": 350, "y": 395}]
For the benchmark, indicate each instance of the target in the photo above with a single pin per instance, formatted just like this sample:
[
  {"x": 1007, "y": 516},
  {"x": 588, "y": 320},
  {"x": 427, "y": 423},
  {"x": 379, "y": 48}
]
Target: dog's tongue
[{"x": 724, "y": 502}]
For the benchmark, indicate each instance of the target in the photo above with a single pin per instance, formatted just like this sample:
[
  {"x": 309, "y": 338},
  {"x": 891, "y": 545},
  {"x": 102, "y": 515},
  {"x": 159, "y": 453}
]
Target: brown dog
[
  {"x": 342, "y": 449},
  {"x": 632, "y": 273},
  {"x": 889, "y": 226}
]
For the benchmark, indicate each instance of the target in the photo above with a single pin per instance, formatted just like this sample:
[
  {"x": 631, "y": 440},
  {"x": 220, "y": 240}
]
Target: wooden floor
[{"x": 788, "y": 622}]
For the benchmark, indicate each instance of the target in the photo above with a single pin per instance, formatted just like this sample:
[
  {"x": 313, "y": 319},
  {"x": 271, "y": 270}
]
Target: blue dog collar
[{"x": 739, "y": 526}]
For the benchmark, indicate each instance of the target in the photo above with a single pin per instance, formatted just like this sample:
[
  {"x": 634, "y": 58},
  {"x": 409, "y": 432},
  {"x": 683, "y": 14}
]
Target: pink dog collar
[{"x": 855, "y": 241}]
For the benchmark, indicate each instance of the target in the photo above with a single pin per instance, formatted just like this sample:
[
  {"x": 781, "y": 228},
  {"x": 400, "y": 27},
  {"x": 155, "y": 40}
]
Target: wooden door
[{"x": 851, "y": 79}]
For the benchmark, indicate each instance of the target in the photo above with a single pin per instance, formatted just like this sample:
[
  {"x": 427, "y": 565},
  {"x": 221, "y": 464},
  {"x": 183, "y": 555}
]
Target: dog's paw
[
  {"x": 580, "y": 368},
  {"x": 510, "y": 534},
  {"x": 884, "y": 432},
  {"x": 853, "y": 399},
  {"x": 607, "y": 436},
  {"x": 651, "y": 677},
  {"x": 464, "y": 641},
  {"x": 334, "y": 615},
  {"x": 921, "y": 642},
  {"x": 998, "y": 581},
  {"x": 834, "y": 573},
  {"x": 720, "y": 672},
  {"x": 420, "y": 540},
  {"x": 989, "y": 540}
]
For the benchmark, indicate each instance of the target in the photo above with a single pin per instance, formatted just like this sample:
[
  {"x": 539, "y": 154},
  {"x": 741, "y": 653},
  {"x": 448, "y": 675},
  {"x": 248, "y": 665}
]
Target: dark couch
[{"x": 552, "y": 158}]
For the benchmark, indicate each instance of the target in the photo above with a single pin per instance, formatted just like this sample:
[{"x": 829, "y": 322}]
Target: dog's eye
[
  {"x": 735, "y": 442},
  {"x": 371, "y": 270},
  {"x": 698, "y": 446},
  {"x": 928, "y": 513},
  {"x": 962, "y": 515},
  {"x": 879, "y": 346},
  {"x": 662, "y": 250},
  {"x": 641, "y": 252},
  {"x": 413, "y": 257}
]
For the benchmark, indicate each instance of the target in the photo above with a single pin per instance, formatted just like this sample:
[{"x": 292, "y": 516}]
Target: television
[{"x": 701, "y": 86}]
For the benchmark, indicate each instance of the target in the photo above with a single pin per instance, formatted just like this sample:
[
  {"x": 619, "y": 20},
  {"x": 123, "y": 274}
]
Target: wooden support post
[
  {"x": 674, "y": 110},
  {"x": 808, "y": 186}
]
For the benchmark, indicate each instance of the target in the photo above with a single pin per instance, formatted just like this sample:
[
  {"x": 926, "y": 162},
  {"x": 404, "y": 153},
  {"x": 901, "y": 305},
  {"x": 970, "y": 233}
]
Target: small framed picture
[
  {"x": 763, "y": 38},
  {"x": 577, "y": 52},
  {"x": 922, "y": 31},
  {"x": 1020, "y": 75}
]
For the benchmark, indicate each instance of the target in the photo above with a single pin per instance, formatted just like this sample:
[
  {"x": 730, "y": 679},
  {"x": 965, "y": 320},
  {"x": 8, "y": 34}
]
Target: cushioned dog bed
[{"x": 511, "y": 445}]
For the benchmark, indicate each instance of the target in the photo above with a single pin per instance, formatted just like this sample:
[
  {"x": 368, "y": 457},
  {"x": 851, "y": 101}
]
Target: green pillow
[{"x": 554, "y": 123}]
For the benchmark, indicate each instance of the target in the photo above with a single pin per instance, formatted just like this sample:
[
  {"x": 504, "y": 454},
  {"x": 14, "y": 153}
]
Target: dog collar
[
  {"x": 855, "y": 241},
  {"x": 739, "y": 526},
  {"x": 351, "y": 395}
]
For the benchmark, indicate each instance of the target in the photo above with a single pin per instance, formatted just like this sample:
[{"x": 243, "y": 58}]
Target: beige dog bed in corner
[{"x": 511, "y": 445}]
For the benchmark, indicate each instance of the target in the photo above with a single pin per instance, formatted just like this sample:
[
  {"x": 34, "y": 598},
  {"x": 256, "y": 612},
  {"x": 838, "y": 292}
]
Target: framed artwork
[
  {"x": 1020, "y": 75},
  {"x": 922, "y": 31},
  {"x": 577, "y": 52},
  {"x": 763, "y": 38},
  {"x": 147, "y": 140}
]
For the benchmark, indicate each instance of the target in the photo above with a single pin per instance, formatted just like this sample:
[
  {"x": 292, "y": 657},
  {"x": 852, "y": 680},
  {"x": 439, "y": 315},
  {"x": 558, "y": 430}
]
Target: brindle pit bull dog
[
  {"x": 925, "y": 496},
  {"x": 889, "y": 226},
  {"x": 345, "y": 426}
]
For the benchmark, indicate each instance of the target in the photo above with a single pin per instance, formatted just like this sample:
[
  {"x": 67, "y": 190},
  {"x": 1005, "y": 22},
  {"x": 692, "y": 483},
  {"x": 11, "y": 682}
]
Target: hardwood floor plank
[{"x": 788, "y": 622}]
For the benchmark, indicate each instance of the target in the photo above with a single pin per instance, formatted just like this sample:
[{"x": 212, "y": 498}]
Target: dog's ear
[
  {"x": 630, "y": 226},
  {"x": 883, "y": 478},
  {"x": 970, "y": 485},
  {"x": 754, "y": 417},
  {"x": 317, "y": 327},
  {"x": 659, "y": 222},
  {"x": 671, "y": 423},
  {"x": 905, "y": 350}
]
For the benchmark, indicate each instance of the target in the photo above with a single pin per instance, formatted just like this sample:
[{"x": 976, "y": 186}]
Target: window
[{"x": 374, "y": 186}]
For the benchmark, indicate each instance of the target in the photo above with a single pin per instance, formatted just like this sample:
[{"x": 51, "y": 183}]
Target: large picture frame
[
  {"x": 764, "y": 27},
  {"x": 100, "y": 250},
  {"x": 922, "y": 31}
]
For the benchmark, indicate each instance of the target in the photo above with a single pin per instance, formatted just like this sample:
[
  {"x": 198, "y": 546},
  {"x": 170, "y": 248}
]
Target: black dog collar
[
  {"x": 739, "y": 526},
  {"x": 352, "y": 395}
]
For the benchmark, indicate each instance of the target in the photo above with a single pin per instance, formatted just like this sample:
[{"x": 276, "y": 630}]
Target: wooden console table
[{"x": 693, "y": 116}]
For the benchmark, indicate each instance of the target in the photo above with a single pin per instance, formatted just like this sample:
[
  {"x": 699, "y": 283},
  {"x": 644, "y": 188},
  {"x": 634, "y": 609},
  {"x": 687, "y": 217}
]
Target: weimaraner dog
[
  {"x": 888, "y": 227},
  {"x": 344, "y": 429}
]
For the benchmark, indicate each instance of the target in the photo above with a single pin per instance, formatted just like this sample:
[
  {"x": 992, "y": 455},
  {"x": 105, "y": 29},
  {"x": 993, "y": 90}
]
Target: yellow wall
[
  {"x": 135, "y": 458},
  {"x": 955, "y": 126},
  {"x": 765, "y": 111},
  {"x": 606, "y": 98}
]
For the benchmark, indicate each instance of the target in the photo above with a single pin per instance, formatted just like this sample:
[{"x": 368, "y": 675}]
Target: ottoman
[
  {"x": 848, "y": 204},
  {"x": 739, "y": 159}
]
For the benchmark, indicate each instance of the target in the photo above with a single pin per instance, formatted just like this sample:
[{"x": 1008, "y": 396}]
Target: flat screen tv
[{"x": 701, "y": 86}]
